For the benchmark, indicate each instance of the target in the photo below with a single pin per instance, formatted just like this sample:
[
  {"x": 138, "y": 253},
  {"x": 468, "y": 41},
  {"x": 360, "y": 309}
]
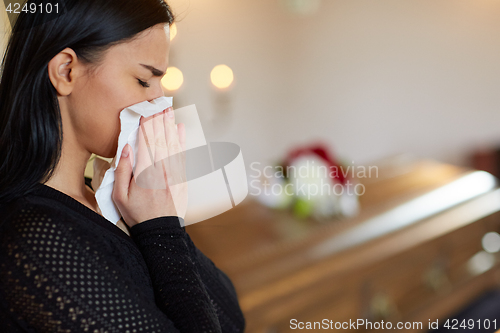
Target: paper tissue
[
  {"x": 103, "y": 181},
  {"x": 215, "y": 172}
]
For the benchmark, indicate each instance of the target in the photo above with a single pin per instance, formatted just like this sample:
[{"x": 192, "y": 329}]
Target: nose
[{"x": 155, "y": 92}]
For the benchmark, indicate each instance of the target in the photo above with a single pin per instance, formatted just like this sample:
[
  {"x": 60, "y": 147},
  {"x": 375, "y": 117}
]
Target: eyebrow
[{"x": 155, "y": 71}]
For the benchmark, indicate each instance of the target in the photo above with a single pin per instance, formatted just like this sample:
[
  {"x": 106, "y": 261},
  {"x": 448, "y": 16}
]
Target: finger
[
  {"x": 177, "y": 170},
  {"x": 123, "y": 175},
  {"x": 169, "y": 126},
  {"x": 171, "y": 135},
  {"x": 181, "y": 131},
  {"x": 178, "y": 161},
  {"x": 149, "y": 135},
  {"x": 144, "y": 159},
  {"x": 161, "y": 151}
]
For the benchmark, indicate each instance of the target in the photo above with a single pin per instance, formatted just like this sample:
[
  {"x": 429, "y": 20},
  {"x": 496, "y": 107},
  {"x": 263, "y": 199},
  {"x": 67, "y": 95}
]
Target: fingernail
[
  {"x": 170, "y": 112},
  {"x": 125, "y": 151}
]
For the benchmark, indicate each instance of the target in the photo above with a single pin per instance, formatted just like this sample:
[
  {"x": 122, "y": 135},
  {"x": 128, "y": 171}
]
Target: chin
[
  {"x": 109, "y": 152},
  {"x": 110, "y": 155}
]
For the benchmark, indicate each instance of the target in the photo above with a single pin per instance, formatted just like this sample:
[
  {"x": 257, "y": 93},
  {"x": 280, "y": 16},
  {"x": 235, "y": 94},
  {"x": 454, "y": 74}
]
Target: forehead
[{"x": 149, "y": 47}]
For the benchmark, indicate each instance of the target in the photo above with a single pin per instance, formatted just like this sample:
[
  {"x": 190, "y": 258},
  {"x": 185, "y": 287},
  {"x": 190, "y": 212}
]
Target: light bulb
[
  {"x": 173, "y": 79},
  {"x": 173, "y": 31},
  {"x": 222, "y": 76}
]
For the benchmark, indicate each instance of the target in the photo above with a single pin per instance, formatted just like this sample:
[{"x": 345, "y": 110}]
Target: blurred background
[
  {"x": 409, "y": 87},
  {"x": 373, "y": 78},
  {"x": 376, "y": 82}
]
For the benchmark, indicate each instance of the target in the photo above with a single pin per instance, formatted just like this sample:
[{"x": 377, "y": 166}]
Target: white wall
[
  {"x": 251, "y": 38},
  {"x": 373, "y": 78},
  {"x": 392, "y": 76}
]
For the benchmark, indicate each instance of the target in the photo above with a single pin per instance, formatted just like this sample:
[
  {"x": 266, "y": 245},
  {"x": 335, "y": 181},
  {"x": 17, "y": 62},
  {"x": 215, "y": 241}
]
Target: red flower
[{"x": 320, "y": 149}]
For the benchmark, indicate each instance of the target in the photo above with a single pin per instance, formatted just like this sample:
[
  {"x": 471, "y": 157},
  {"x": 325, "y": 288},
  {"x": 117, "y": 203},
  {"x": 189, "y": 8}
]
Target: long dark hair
[{"x": 30, "y": 119}]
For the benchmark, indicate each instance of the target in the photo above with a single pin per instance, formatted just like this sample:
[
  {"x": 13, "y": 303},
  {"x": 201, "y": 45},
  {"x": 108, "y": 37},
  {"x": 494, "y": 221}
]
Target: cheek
[
  {"x": 103, "y": 131},
  {"x": 103, "y": 121},
  {"x": 104, "y": 102}
]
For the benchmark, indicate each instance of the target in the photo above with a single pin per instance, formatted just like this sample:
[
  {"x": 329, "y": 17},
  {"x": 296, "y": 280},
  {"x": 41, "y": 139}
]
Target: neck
[{"x": 69, "y": 175}]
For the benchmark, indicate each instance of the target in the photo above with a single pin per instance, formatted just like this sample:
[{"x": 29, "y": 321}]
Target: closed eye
[{"x": 143, "y": 83}]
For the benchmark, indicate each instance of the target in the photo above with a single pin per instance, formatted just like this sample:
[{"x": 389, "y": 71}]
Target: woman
[{"x": 64, "y": 267}]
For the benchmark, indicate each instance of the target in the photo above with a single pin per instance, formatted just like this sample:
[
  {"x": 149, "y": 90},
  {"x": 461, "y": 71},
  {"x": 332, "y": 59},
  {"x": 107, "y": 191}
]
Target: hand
[{"x": 158, "y": 186}]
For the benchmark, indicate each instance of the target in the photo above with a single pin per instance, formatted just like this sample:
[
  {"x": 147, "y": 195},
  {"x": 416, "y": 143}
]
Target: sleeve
[
  {"x": 189, "y": 287},
  {"x": 55, "y": 277},
  {"x": 220, "y": 289}
]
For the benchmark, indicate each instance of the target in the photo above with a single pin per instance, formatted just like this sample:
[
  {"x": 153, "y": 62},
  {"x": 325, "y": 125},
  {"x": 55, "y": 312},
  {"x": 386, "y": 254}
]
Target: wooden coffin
[{"x": 413, "y": 254}]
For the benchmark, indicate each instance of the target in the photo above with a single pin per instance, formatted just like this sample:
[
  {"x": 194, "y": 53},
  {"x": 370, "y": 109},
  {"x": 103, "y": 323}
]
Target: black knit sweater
[{"x": 65, "y": 268}]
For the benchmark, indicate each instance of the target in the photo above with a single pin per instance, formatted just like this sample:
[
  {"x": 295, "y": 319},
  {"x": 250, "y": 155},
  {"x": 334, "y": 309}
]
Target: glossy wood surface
[{"x": 413, "y": 266}]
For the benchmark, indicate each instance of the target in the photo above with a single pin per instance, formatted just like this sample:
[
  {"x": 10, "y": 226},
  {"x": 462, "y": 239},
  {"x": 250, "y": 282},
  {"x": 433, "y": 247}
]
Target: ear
[{"x": 63, "y": 70}]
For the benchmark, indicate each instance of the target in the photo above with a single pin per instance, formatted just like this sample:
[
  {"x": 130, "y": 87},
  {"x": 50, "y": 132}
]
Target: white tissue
[
  {"x": 129, "y": 119},
  {"x": 215, "y": 171}
]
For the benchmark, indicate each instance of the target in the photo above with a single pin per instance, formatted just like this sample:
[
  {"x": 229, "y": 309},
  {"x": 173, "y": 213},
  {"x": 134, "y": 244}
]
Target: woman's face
[{"x": 128, "y": 74}]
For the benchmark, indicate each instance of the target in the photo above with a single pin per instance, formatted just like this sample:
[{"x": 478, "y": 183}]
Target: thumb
[{"x": 123, "y": 174}]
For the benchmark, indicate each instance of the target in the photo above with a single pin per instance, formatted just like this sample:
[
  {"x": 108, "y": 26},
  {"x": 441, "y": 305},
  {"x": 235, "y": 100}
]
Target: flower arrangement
[{"x": 311, "y": 183}]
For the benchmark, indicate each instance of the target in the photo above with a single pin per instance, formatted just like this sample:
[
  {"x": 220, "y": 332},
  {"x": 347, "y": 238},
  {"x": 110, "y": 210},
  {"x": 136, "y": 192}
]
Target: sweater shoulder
[
  {"x": 35, "y": 223},
  {"x": 60, "y": 212},
  {"x": 33, "y": 213},
  {"x": 55, "y": 266},
  {"x": 46, "y": 222}
]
